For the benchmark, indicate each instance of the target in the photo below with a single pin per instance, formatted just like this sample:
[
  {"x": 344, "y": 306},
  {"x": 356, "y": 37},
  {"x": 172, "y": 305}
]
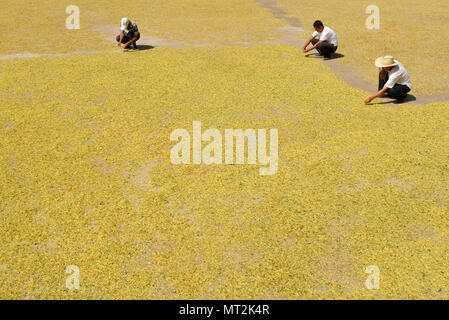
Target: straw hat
[{"x": 386, "y": 61}]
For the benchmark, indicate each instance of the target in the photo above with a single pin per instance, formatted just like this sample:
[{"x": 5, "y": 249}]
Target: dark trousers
[
  {"x": 398, "y": 92},
  {"x": 325, "y": 49},
  {"x": 128, "y": 37}
]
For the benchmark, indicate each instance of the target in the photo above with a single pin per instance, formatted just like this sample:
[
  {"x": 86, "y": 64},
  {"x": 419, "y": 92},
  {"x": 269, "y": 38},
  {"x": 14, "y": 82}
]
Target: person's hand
[
  {"x": 305, "y": 50},
  {"x": 369, "y": 100},
  {"x": 126, "y": 45},
  {"x": 119, "y": 44}
]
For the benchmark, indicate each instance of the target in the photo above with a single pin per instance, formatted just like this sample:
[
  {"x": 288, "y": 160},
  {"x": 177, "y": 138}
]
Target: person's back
[
  {"x": 398, "y": 75},
  {"x": 132, "y": 27}
]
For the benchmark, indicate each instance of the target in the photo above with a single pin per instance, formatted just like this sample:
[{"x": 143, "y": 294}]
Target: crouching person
[
  {"x": 394, "y": 80},
  {"x": 129, "y": 35},
  {"x": 327, "y": 42}
]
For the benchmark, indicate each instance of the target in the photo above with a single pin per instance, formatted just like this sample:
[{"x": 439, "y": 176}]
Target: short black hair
[{"x": 318, "y": 24}]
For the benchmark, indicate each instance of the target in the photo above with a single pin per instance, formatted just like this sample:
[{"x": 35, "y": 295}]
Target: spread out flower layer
[
  {"x": 416, "y": 32},
  {"x": 87, "y": 181}
]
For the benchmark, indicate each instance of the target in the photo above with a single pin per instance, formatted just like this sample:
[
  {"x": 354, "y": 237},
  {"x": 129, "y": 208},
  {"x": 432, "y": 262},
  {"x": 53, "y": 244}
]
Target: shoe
[
  {"x": 130, "y": 48},
  {"x": 134, "y": 46}
]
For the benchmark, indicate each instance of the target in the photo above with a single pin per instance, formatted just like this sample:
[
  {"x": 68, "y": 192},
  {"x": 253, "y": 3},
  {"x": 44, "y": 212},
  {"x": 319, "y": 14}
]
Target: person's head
[
  {"x": 318, "y": 26},
  {"x": 124, "y": 24}
]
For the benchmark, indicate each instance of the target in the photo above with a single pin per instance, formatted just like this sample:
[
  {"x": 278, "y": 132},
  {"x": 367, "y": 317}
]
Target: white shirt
[
  {"x": 398, "y": 75},
  {"x": 328, "y": 35}
]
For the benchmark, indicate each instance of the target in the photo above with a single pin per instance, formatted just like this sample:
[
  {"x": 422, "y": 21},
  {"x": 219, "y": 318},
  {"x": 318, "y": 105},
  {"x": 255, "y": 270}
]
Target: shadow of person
[
  {"x": 332, "y": 57},
  {"x": 142, "y": 47},
  {"x": 335, "y": 56},
  {"x": 408, "y": 98}
]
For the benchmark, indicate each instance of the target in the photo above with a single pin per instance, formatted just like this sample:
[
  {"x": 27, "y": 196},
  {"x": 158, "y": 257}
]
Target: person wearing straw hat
[
  {"x": 394, "y": 80},
  {"x": 129, "y": 34}
]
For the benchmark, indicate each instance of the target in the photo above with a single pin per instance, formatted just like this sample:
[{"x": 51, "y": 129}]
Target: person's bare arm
[
  {"x": 378, "y": 94},
  {"x": 314, "y": 47},
  {"x": 307, "y": 43},
  {"x": 136, "y": 37},
  {"x": 122, "y": 35}
]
